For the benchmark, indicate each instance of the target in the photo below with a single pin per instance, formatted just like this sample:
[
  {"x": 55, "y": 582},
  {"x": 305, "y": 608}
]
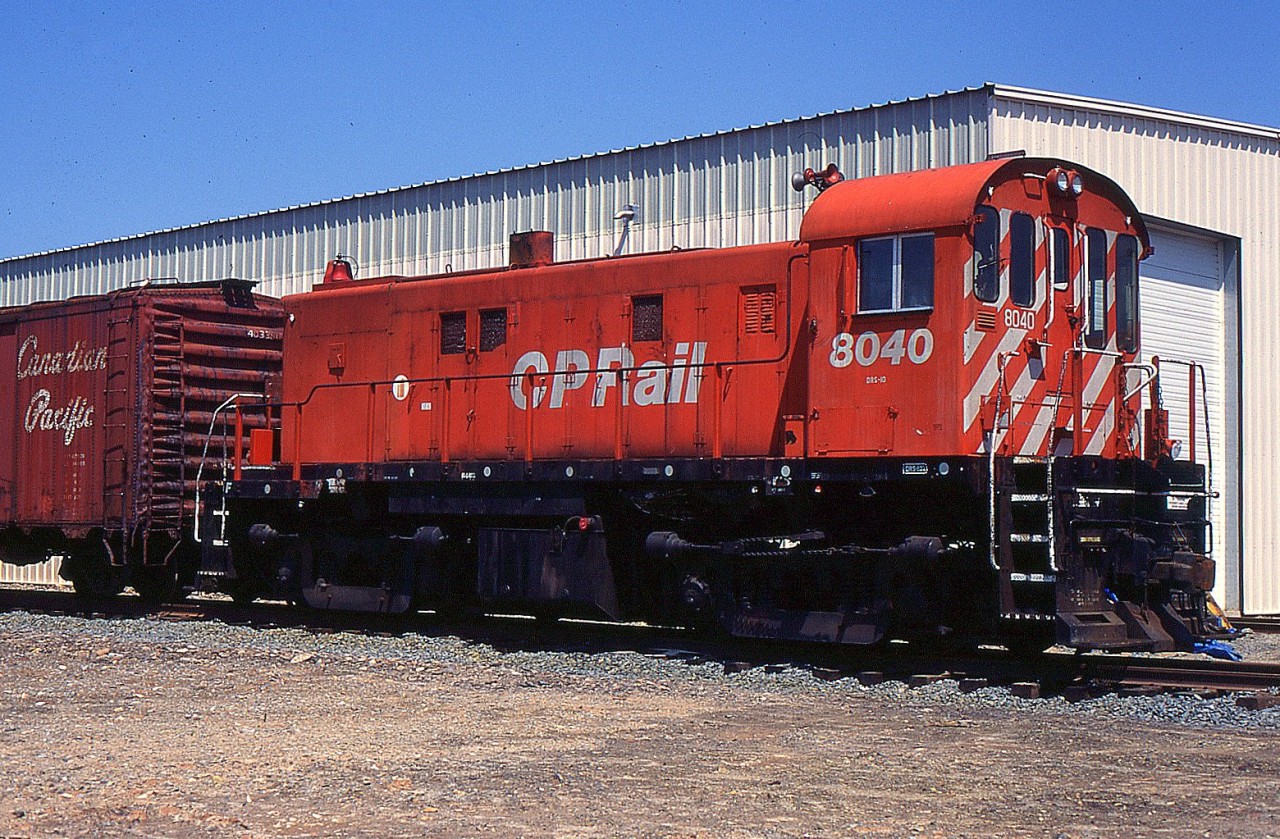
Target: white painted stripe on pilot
[
  {"x": 1039, "y": 430},
  {"x": 990, "y": 375},
  {"x": 1099, "y": 440}
]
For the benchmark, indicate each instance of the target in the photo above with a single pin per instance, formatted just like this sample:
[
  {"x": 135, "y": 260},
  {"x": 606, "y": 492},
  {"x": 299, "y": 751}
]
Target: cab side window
[
  {"x": 986, "y": 254},
  {"x": 1095, "y": 326},
  {"x": 895, "y": 273}
]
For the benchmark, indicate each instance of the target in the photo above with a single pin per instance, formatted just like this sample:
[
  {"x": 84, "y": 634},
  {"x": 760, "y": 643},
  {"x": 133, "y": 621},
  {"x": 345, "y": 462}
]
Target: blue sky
[{"x": 124, "y": 118}]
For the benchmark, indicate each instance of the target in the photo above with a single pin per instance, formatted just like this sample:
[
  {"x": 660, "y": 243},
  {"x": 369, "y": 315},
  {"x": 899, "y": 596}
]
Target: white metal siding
[
  {"x": 1183, "y": 316},
  {"x": 717, "y": 190},
  {"x": 1215, "y": 176}
]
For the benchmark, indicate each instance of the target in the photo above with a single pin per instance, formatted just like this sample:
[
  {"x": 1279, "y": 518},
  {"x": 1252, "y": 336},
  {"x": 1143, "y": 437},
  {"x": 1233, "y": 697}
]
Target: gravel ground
[{"x": 148, "y": 728}]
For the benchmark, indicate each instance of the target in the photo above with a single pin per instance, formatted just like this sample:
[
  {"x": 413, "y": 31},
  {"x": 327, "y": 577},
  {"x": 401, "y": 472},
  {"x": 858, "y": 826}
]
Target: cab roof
[{"x": 933, "y": 198}]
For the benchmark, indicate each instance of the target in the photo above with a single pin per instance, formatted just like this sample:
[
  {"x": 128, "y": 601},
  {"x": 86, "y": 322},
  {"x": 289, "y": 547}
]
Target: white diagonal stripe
[{"x": 989, "y": 375}]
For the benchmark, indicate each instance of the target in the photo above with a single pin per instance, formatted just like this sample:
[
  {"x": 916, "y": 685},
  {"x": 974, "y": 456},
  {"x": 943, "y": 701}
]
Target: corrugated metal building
[{"x": 1212, "y": 290}]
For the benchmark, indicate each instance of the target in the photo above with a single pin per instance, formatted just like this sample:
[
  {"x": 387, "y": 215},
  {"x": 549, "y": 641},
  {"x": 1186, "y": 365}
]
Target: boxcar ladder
[{"x": 116, "y": 430}]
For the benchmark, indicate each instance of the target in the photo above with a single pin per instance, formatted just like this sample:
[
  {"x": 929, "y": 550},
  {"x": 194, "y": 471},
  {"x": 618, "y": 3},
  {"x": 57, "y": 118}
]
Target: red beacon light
[
  {"x": 1066, "y": 182},
  {"x": 341, "y": 269},
  {"x": 818, "y": 180}
]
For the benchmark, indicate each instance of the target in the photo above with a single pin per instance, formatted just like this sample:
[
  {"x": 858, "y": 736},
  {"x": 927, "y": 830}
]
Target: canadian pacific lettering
[
  {"x": 42, "y": 415},
  {"x": 32, "y": 362},
  {"x": 62, "y": 413}
]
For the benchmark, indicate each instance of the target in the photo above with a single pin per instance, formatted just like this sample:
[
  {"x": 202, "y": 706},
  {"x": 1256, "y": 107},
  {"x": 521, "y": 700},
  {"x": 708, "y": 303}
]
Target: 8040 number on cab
[{"x": 869, "y": 347}]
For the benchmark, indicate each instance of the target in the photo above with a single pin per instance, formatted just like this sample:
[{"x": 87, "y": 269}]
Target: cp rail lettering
[{"x": 652, "y": 383}]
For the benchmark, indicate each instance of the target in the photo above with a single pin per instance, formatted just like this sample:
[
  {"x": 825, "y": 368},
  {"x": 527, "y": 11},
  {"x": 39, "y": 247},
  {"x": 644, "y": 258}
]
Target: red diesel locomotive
[{"x": 921, "y": 418}]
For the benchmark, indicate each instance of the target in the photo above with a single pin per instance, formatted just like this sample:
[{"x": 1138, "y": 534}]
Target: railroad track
[
  {"x": 1191, "y": 674},
  {"x": 1258, "y": 623},
  {"x": 1079, "y": 675}
]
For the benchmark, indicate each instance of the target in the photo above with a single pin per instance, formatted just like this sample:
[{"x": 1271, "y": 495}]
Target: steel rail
[
  {"x": 1258, "y": 623},
  {"x": 1180, "y": 673}
]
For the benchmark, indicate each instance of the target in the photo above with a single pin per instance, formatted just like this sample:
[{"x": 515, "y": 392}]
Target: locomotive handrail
[
  {"x": 1091, "y": 351},
  {"x": 992, "y": 548},
  {"x": 204, "y": 454},
  {"x": 1151, "y": 368},
  {"x": 1077, "y": 354},
  {"x": 1195, "y": 371},
  {"x": 1194, "y": 368}
]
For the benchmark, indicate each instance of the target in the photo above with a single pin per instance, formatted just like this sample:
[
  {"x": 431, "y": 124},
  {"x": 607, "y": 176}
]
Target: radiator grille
[{"x": 646, "y": 318}]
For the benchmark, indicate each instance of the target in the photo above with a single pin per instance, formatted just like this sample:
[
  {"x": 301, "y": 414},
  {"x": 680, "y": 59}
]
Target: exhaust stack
[{"x": 531, "y": 249}]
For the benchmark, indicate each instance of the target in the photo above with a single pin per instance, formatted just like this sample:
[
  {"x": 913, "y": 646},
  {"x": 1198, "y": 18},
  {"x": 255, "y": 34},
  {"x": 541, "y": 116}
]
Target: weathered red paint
[
  {"x": 755, "y": 342},
  {"x": 113, "y": 396}
]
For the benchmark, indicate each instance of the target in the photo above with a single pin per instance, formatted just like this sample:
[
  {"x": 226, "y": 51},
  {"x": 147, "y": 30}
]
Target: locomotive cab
[{"x": 996, "y": 333}]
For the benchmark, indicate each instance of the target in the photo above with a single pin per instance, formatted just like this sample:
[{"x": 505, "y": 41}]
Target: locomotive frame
[{"x": 920, "y": 420}]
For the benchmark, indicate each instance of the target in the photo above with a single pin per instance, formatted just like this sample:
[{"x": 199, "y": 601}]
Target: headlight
[{"x": 1077, "y": 183}]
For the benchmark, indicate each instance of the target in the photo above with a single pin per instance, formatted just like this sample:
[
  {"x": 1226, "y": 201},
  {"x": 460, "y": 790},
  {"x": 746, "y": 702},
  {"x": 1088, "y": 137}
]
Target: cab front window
[
  {"x": 1127, "y": 293},
  {"x": 1095, "y": 333},
  {"x": 1022, "y": 259}
]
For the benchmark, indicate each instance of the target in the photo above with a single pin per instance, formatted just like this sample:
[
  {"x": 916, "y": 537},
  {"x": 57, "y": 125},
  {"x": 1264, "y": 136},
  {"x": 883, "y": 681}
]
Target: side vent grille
[
  {"x": 453, "y": 333},
  {"x": 646, "y": 318},
  {"x": 758, "y": 307},
  {"x": 985, "y": 321},
  {"x": 493, "y": 329}
]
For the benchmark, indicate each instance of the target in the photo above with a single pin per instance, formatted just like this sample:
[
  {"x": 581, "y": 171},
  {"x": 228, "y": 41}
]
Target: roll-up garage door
[{"x": 1183, "y": 314}]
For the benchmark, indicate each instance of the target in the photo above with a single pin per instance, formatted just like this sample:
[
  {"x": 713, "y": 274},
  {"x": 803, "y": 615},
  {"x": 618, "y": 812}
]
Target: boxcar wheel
[
  {"x": 93, "y": 578},
  {"x": 156, "y": 584}
]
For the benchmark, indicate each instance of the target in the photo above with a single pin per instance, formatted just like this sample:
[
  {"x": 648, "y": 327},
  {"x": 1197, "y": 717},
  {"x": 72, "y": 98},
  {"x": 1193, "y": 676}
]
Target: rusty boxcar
[{"x": 114, "y": 400}]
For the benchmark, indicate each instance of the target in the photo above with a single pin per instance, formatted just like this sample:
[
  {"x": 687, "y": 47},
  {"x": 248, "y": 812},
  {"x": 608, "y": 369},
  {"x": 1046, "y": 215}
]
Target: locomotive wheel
[
  {"x": 242, "y": 591},
  {"x": 92, "y": 577},
  {"x": 1026, "y": 646}
]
